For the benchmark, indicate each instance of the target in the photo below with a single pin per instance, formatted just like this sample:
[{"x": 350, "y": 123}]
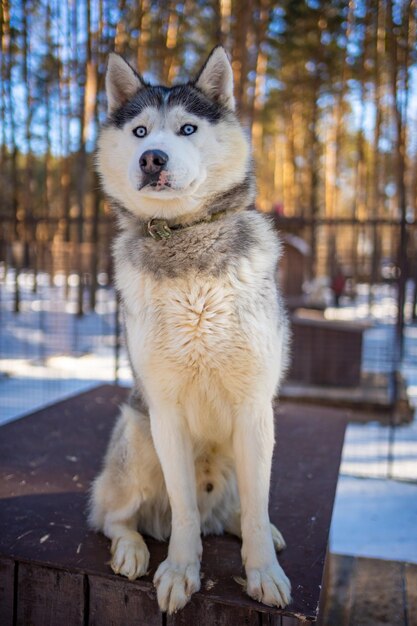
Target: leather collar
[{"x": 158, "y": 228}]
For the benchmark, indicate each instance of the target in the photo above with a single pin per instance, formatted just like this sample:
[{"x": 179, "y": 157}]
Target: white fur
[
  {"x": 209, "y": 386},
  {"x": 201, "y": 164},
  {"x": 209, "y": 359}
]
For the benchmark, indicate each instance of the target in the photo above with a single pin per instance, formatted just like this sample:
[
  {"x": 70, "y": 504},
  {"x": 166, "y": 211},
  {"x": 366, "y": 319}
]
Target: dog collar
[{"x": 160, "y": 229}]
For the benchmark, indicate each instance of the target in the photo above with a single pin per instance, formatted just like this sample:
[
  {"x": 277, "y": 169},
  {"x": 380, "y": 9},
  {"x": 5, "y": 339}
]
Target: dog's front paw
[
  {"x": 130, "y": 557},
  {"x": 269, "y": 585},
  {"x": 175, "y": 584}
]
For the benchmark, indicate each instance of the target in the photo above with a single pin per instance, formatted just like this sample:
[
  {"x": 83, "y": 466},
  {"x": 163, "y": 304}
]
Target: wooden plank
[
  {"x": 410, "y": 576},
  {"x": 44, "y": 486},
  {"x": 7, "y": 574},
  {"x": 378, "y": 594},
  {"x": 338, "y": 602},
  {"x": 115, "y": 601},
  {"x": 324, "y": 589},
  {"x": 270, "y": 620},
  {"x": 293, "y": 621},
  {"x": 213, "y": 614},
  {"x": 48, "y": 597}
]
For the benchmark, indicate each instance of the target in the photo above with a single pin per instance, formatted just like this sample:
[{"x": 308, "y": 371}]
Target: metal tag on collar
[{"x": 159, "y": 229}]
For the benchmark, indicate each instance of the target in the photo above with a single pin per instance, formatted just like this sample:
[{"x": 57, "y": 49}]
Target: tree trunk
[
  {"x": 314, "y": 184},
  {"x": 96, "y": 183},
  {"x": 400, "y": 167},
  {"x": 379, "y": 49},
  {"x": 243, "y": 15},
  {"x": 81, "y": 79}
]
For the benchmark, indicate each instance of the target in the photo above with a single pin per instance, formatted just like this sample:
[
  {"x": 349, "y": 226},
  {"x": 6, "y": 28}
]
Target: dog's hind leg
[
  {"x": 130, "y": 476},
  {"x": 277, "y": 538},
  {"x": 234, "y": 527},
  {"x": 130, "y": 556}
]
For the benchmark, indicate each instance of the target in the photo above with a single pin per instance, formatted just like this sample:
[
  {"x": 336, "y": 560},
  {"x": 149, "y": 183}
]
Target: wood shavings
[{"x": 209, "y": 584}]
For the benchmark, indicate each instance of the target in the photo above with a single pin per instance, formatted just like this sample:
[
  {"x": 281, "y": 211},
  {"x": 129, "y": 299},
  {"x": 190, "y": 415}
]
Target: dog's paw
[
  {"x": 269, "y": 585},
  {"x": 277, "y": 538},
  {"x": 175, "y": 583},
  {"x": 130, "y": 557}
]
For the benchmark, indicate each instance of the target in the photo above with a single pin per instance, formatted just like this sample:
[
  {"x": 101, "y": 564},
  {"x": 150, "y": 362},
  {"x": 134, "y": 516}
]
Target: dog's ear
[
  {"x": 215, "y": 78},
  {"x": 122, "y": 82}
]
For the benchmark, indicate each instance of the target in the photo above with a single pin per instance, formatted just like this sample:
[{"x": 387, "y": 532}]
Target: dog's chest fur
[{"x": 200, "y": 334}]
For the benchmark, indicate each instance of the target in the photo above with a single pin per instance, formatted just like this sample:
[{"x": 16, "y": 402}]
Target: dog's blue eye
[
  {"x": 140, "y": 131},
  {"x": 188, "y": 129}
]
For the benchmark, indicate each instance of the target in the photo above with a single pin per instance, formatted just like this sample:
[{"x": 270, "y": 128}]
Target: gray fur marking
[
  {"x": 188, "y": 96},
  {"x": 205, "y": 247},
  {"x": 208, "y": 247}
]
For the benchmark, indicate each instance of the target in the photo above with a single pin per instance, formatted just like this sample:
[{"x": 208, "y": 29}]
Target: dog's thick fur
[{"x": 206, "y": 335}]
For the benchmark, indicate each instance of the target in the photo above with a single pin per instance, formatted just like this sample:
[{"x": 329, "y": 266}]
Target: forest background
[{"x": 326, "y": 90}]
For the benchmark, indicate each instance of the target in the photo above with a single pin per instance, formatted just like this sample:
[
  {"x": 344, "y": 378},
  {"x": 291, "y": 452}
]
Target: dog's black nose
[{"x": 153, "y": 161}]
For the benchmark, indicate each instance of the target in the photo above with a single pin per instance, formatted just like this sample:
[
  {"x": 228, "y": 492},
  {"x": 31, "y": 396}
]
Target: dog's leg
[
  {"x": 178, "y": 577},
  {"x": 253, "y": 442},
  {"x": 131, "y": 474},
  {"x": 130, "y": 555},
  {"x": 114, "y": 511}
]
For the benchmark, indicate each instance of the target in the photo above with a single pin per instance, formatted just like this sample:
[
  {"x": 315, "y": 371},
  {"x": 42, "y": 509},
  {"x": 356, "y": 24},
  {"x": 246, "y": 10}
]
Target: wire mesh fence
[{"x": 60, "y": 329}]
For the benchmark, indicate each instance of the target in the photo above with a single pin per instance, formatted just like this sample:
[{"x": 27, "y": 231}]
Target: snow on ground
[
  {"x": 376, "y": 519},
  {"x": 48, "y": 353},
  {"x": 376, "y": 451}
]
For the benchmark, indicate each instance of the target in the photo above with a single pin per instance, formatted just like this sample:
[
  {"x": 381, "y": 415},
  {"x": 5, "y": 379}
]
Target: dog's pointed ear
[
  {"x": 122, "y": 82},
  {"x": 215, "y": 78}
]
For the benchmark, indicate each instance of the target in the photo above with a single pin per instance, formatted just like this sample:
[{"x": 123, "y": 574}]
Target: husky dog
[{"x": 206, "y": 334}]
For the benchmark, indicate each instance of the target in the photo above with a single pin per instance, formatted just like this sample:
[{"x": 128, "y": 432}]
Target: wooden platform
[
  {"x": 370, "y": 401},
  {"x": 370, "y": 592},
  {"x": 53, "y": 570},
  {"x": 325, "y": 352}
]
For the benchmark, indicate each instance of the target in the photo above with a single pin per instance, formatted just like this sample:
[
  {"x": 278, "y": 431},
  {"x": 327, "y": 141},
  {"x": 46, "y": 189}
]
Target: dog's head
[{"x": 167, "y": 151}]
